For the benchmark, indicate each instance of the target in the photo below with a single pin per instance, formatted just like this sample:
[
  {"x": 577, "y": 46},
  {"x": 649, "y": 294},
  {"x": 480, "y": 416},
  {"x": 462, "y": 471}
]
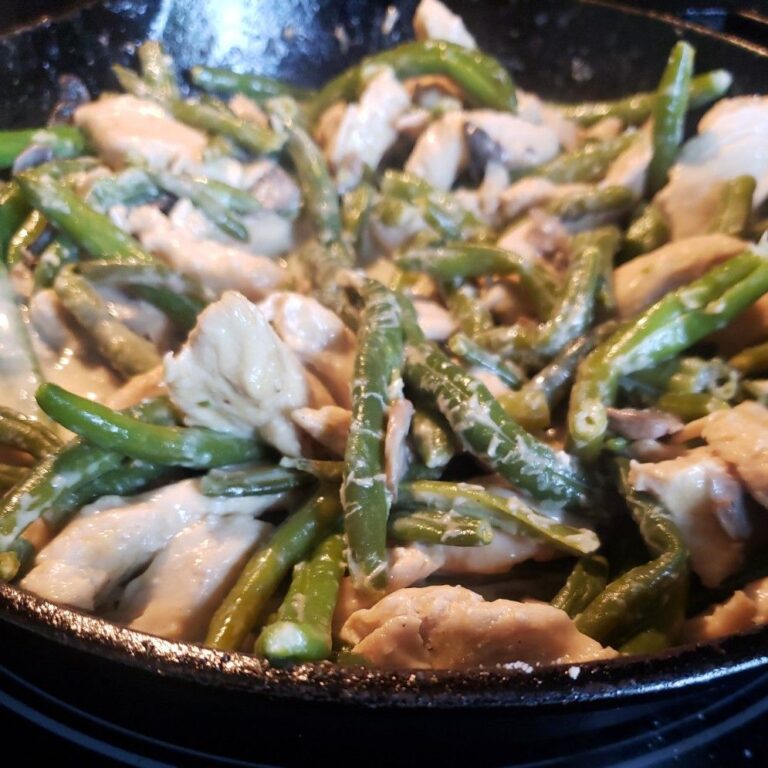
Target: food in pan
[{"x": 416, "y": 370}]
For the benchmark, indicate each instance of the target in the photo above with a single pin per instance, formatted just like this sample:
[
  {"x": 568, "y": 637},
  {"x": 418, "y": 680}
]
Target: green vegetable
[
  {"x": 587, "y": 580},
  {"x": 429, "y": 526},
  {"x": 219, "y": 80},
  {"x": 253, "y": 481},
  {"x": 735, "y": 206},
  {"x": 302, "y": 629},
  {"x": 63, "y": 140}
]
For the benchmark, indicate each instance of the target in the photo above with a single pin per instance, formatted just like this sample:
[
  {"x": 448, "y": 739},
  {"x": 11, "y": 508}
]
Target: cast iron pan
[{"x": 177, "y": 699}]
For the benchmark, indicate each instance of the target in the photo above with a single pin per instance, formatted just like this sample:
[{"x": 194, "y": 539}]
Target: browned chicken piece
[
  {"x": 706, "y": 502},
  {"x": 444, "y": 627},
  {"x": 745, "y": 609},
  {"x": 642, "y": 424},
  {"x": 739, "y": 436},
  {"x": 396, "y": 451},
  {"x": 328, "y": 425},
  {"x": 645, "y": 279}
]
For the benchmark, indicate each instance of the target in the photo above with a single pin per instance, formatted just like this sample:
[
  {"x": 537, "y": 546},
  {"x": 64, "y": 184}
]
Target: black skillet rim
[{"x": 508, "y": 687}]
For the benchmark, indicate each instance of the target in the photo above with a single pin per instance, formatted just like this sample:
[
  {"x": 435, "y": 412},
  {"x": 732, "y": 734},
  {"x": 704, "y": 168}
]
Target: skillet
[{"x": 134, "y": 687}]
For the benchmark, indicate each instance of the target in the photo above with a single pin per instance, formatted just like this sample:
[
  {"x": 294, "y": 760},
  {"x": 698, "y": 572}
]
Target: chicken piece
[
  {"x": 406, "y": 566},
  {"x": 435, "y": 321},
  {"x": 413, "y": 122},
  {"x": 646, "y": 279},
  {"x": 440, "y": 152},
  {"x": 140, "y": 316},
  {"x": 389, "y": 237},
  {"x": 218, "y": 267},
  {"x": 538, "y": 236},
  {"x": 234, "y": 374},
  {"x": 606, "y": 128},
  {"x": 523, "y": 143},
  {"x": 115, "y": 537},
  {"x": 630, "y": 168},
  {"x": 528, "y": 193},
  {"x": 533, "y": 110},
  {"x": 446, "y": 627},
  {"x": 124, "y": 127},
  {"x": 319, "y": 338},
  {"x": 138, "y": 388},
  {"x": 328, "y": 425},
  {"x": 491, "y": 381},
  {"x": 732, "y": 141},
  {"x": 434, "y": 21},
  {"x": 249, "y": 110},
  {"x": 744, "y": 610},
  {"x": 505, "y": 551},
  {"x": 366, "y": 130},
  {"x": 182, "y": 587},
  {"x": 396, "y": 451},
  {"x": 272, "y": 186},
  {"x": 645, "y": 424},
  {"x": 739, "y": 436},
  {"x": 706, "y": 502}
]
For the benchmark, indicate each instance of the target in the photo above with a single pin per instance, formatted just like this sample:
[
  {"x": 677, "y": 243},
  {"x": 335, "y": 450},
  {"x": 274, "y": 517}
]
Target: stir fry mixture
[{"x": 416, "y": 370}]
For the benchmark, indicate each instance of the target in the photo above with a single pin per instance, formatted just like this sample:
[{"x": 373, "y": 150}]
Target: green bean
[
  {"x": 629, "y": 603},
  {"x": 61, "y": 251},
  {"x": 218, "y": 80},
  {"x": 472, "y": 317},
  {"x": 693, "y": 375},
  {"x": 323, "y": 265},
  {"x": 473, "y": 354},
  {"x": 25, "y": 237},
  {"x": 439, "y": 209},
  {"x": 461, "y": 261},
  {"x": 317, "y": 187},
  {"x": 603, "y": 202},
  {"x": 573, "y": 312},
  {"x": 669, "y": 111},
  {"x": 690, "y": 406},
  {"x": 329, "y": 472},
  {"x": 194, "y": 447},
  {"x": 646, "y": 233},
  {"x": 13, "y": 209},
  {"x": 127, "y": 352},
  {"x": 25, "y": 434},
  {"x": 636, "y": 109},
  {"x": 586, "y": 164},
  {"x": 429, "y": 526},
  {"x": 674, "y": 323},
  {"x": 157, "y": 69},
  {"x": 91, "y": 230},
  {"x": 253, "y": 481},
  {"x": 74, "y": 466},
  {"x": 432, "y": 438},
  {"x": 735, "y": 206},
  {"x": 751, "y": 360},
  {"x": 364, "y": 493},
  {"x": 298, "y": 535},
  {"x": 302, "y": 629},
  {"x": 63, "y": 140},
  {"x": 507, "y": 513},
  {"x": 485, "y": 429},
  {"x": 483, "y": 80},
  {"x": 130, "y": 187},
  {"x": 198, "y": 192},
  {"x": 586, "y": 581},
  {"x": 220, "y": 119},
  {"x": 357, "y": 205}
]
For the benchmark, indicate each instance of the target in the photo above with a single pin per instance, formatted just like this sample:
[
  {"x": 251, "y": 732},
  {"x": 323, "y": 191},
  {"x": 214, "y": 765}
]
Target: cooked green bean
[
  {"x": 735, "y": 206},
  {"x": 473, "y": 354},
  {"x": 586, "y": 164},
  {"x": 61, "y": 251},
  {"x": 157, "y": 69},
  {"x": 669, "y": 112},
  {"x": 302, "y": 629},
  {"x": 93, "y": 231},
  {"x": 606, "y": 203},
  {"x": 63, "y": 140},
  {"x": 586, "y": 581},
  {"x": 219, "y": 80},
  {"x": 25, "y": 237},
  {"x": 194, "y": 447},
  {"x": 630, "y": 603},
  {"x": 13, "y": 209},
  {"x": 636, "y": 109},
  {"x": 483, "y": 80},
  {"x": 429, "y": 526},
  {"x": 125, "y": 351},
  {"x": 647, "y": 232},
  {"x": 298, "y": 535},
  {"x": 674, "y": 323},
  {"x": 364, "y": 494},
  {"x": 25, "y": 434},
  {"x": 253, "y": 481},
  {"x": 751, "y": 360},
  {"x": 470, "y": 314},
  {"x": 507, "y": 513},
  {"x": 327, "y": 471},
  {"x": 433, "y": 440},
  {"x": 691, "y": 405}
]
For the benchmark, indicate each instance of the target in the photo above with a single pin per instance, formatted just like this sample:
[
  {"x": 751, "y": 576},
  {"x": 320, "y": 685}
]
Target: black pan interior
[{"x": 562, "y": 50}]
